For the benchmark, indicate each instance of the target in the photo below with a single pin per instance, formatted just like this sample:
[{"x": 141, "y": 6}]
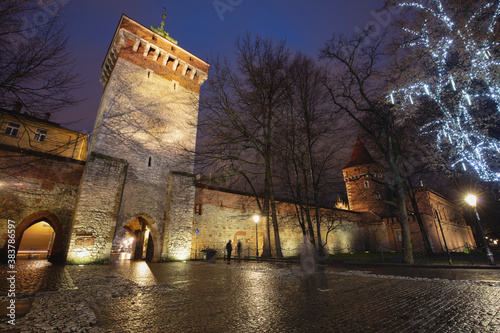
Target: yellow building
[{"x": 40, "y": 135}]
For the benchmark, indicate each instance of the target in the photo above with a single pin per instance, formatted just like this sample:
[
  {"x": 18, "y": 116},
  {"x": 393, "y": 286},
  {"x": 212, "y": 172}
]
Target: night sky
[{"x": 201, "y": 30}]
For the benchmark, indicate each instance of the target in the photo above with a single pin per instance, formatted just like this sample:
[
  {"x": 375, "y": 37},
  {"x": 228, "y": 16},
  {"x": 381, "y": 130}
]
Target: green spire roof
[{"x": 159, "y": 30}]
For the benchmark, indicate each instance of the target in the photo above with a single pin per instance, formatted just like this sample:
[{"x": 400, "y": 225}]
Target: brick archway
[{"x": 57, "y": 254}]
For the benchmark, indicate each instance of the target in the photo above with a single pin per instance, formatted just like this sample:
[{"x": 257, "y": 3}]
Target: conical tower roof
[{"x": 359, "y": 156}]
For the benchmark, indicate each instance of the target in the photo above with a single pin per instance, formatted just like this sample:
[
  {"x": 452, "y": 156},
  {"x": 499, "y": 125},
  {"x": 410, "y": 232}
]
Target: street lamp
[
  {"x": 256, "y": 219},
  {"x": 471, "y": 200}
]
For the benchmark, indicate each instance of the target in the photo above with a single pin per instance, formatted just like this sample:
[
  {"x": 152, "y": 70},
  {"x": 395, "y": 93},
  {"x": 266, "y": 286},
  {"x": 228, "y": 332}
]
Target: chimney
[
  {"x": 47, "y": 116},
  {"x": 17, "y": 107}
]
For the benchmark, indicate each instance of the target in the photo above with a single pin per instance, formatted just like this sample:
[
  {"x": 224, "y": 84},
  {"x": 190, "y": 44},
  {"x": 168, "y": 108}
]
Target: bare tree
[
  {"x": 306, "y": 142},
  {"x": 241, "y": 109},
  {"x": 356, "y": 88},
  {"x": 35, "y": 66}
]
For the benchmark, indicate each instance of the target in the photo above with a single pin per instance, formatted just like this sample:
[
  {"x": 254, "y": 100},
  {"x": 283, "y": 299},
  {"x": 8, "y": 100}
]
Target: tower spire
[{"x": 160, "y": 31}]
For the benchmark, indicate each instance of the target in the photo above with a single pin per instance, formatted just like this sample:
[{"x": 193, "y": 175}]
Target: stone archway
[
  {"x": 144, "y": 233},
  {"x": 57, "y": 253}
]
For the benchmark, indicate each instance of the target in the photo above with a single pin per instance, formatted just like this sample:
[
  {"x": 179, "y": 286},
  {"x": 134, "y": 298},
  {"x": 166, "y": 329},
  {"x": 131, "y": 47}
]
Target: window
[
  {"x": 40, "y": 135},
  {"x": 367, "y": 184},
  {"x": 12, "y": 129},
  {"x": 398, "y": 233}
]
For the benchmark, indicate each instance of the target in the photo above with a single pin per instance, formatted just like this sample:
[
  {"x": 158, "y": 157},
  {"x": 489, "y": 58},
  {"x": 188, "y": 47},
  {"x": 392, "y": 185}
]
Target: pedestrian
[
  {"x": 238, "y": 247},
  {"x": 229, "y": 248},
  {"x": 307, "y": 261}
]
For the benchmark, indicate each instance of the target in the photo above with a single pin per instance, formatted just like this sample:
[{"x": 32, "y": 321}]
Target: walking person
[
  {"x": 238, "y": 248},
  {"x": 229, "y": 249}
]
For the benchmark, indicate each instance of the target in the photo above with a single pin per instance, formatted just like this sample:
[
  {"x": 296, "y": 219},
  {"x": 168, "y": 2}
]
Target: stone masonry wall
[
  {"x": 221, "y": 216},
  {"x": 97, "y": 209},
  {"x": 35, "y": 189},
  {"x": 180, "y": 203}
]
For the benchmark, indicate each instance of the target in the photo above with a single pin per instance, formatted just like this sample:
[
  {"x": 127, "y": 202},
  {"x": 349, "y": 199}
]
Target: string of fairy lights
[{"x": 454, "y": 89}]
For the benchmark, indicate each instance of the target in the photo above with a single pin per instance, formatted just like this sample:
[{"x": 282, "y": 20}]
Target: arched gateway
[{"x": 57, "y": 253}]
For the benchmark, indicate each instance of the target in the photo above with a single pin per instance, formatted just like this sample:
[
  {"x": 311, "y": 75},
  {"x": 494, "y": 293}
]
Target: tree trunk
[
  {"x": 277, "y": 242},
  {"x": 405, "y": 225},
  {"x": 425, "y": 238},
  {"x": 266, "y": 247},
  {"x": 307, "y": 206}
]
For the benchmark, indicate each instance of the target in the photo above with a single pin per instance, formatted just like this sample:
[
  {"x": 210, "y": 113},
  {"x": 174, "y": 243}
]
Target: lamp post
[
  {"x": 471, "y": 200},
  {"x": 256, "y": 219}
]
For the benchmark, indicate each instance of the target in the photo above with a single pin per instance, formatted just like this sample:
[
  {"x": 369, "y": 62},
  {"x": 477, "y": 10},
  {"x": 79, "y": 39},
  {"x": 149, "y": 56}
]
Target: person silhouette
[
  {"x": 239, "y": 248},
  {"x": 229, "y": 249}
]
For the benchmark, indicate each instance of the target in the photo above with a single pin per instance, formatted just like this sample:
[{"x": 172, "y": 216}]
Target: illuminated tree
[{"x": 447, "y": 75}]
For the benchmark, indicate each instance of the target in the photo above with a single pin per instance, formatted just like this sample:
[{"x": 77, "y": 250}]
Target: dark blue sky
[{"x": 203, "y": 31}]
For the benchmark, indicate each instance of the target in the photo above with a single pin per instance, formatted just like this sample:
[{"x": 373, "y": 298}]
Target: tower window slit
[{"x": 149, "y": 162}]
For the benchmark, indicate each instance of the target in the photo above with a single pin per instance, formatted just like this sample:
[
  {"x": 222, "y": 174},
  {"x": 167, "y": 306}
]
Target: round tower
[{"x": 363, "y": 178}]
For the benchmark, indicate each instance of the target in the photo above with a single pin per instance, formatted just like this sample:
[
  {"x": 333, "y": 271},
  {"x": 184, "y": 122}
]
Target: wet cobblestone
[
  {"x": 260, "y": 297},
  {"x": 36, "y": 276}
]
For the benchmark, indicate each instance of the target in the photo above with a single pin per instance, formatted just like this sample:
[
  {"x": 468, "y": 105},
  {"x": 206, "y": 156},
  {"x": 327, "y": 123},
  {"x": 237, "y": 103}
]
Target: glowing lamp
[
  {"x": 256, "y": 219},
  {"x": 471, "y": 200}
]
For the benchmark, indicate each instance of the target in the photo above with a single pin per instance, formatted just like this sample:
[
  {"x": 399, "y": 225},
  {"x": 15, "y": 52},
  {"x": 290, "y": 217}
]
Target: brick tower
[
  {"x": 141, "y": 155},
  {"x": 363, "y": 176}
]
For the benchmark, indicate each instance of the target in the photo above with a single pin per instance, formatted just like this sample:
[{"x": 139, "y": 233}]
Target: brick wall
[
  {"x": 36, "y": 188},
  {"x": 364, "y": 188}
]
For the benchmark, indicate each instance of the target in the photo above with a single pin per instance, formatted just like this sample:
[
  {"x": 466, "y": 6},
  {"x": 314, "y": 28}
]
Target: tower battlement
[{"x": 151, "y": 51}]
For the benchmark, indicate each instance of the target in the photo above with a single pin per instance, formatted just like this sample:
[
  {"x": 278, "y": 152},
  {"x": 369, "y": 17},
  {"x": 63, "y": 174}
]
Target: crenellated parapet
[{"x": 151, "y": 51}]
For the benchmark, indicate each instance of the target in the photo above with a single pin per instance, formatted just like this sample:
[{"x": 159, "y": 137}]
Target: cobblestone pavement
[
  {"x": 37, "y": 275},
  {"x": 261, "y": 297}
]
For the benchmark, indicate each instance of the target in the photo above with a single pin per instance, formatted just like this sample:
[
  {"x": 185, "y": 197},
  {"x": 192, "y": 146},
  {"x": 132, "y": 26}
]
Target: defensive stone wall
[
  {"x": 223, "y": 215},
  {"x": 38, "y": 188},
  {"x": 96, "y": 213},
  {"x": 179, "y": 216},
  {"x": 439, "y": 213}
]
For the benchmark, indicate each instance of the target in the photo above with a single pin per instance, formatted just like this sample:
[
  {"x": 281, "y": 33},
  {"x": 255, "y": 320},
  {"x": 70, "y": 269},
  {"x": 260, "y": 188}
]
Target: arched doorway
[
  {"x": 57, "y": 246},
  {"x": 36, "y": 242},
  {"x": 136, "y": 241}
]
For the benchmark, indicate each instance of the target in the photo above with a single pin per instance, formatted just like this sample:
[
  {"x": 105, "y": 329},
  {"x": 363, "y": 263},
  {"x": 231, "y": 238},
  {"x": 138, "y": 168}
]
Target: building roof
[
  {"x": 359, "y": 156},
  {"x": 35, "y": 118}
]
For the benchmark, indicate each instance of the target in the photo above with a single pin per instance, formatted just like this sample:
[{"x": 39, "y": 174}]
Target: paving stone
[{"x": 258, "y": 297}]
